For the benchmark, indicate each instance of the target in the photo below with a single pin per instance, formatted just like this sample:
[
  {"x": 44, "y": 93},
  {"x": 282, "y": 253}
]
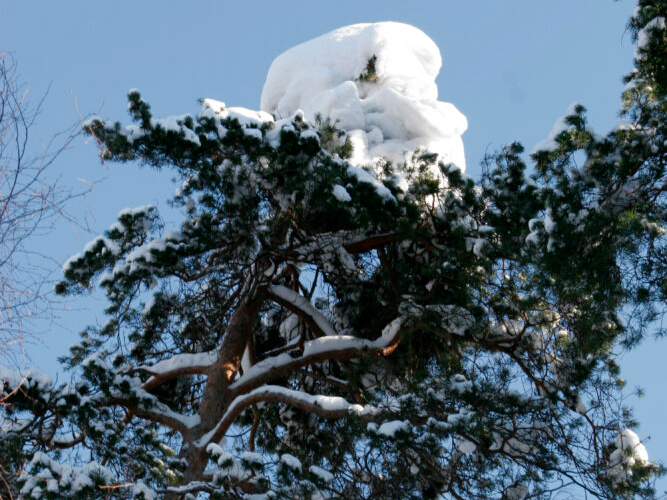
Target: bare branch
[
  {"x": 31, "y": 202},
  {"x": 369, "y": 243}
]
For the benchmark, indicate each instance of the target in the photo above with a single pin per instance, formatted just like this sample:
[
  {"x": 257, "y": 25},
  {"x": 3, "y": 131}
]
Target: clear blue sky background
[{"x": 512, "y": 67}]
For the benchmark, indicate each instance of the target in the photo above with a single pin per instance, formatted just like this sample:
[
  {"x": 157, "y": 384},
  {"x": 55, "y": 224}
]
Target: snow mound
[
  {"x": 628, "y": 451},
  {"x": 376, "y": 82}
]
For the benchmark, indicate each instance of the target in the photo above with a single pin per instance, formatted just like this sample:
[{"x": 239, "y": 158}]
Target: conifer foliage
[{"x": 316, "y": 330}]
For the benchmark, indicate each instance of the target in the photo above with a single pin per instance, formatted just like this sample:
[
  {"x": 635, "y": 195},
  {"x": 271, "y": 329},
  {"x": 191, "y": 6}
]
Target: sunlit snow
[
  {"x": 628, "y": 451},
  {"x": 387, "y": 113}
]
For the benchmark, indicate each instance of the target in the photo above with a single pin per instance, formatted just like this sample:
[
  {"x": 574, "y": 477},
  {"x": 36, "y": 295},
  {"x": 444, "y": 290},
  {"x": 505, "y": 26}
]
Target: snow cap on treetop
[{"x": 375, "y": 81}]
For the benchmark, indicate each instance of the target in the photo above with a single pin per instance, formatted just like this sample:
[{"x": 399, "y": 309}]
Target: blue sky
[{"x": 512, "y": 67}]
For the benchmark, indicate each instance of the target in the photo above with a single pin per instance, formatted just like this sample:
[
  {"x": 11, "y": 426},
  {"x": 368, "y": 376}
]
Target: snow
[
  {"x": 145, "y": 252},
  {"x": 16, "y": 426},
  {"x": 254, "y": 132},
  {"x": 107, "y": 244},
  {"x": 246, "y": 360},
  {"x": 252, "y": 458},
  {"x": 549, "y": 224},
  {"x": 82, "y": 481},
  {"x": 466, "y": 447},
  {"x": 368, "y": 178},
  {"x": 335, "y": 403},
  {"x": 390, "y": 331},
  {"x": 132, "y": 132},
  {"x": 580, "y": 407},
  {"x": 289, "y": 328},
  {"x": 389, "y": 429},
  {"x": 64, "y": 439},
  {"x": 561, "y": 125},
  {"x": 518, "y": 492},
  {"x": 147, "y": 306},
  {"x": 182, "y": 361},
  {"x": 310, "y": 134},
  {"x": 96, "y": 359},
  {"x": 11, "y": 379},
  {"x": 145, "y": 210},
  {"x": 69, "y": 263},
  {"x": 106, "y": 278},
  {"x": 188, "y": 421},
  {"x": 333, "y": 344},
  {"x": 262, "y": 367},
  {"x": 388, "y": 114},
  {"x": 324, "y": 475},
  {"x": 460, "y": 384},
  {"x": 251, "y": 121},
  {"x": 455, "y": 319},
  {"x": 214, "y": 449},
  {"x": 90, "y": 121},
  {"x": 175, "y": 124},
  {"x": 305, "y": 306},
  {"x": 246, "y": 117},
  {"x": 141, "y": 488},
  {"x": 291, "y": 461},
  {"x": 643, "y": 36},
  {"x": 259, "y": 496},
  {"x": 510, "y": 445},
  {"x": 225, "y": 458},
  {"x": 327, "y": 403},
  {"x": 341, "y": 193},
  {"x": 211, "y": 108},
  {"x": 134, "y": 211},
  {"x": 72, "y": 479},
  {"x": 629, "y": 451}
]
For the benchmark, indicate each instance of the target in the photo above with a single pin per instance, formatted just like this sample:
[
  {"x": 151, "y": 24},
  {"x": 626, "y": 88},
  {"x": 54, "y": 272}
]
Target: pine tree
[{"x": 317, "y": 331}]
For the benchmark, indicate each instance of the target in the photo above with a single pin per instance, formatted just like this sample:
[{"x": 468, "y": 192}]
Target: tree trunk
[{"x": 215, "y": 399}]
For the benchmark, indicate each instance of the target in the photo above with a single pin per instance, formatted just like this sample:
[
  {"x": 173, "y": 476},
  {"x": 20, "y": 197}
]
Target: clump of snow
[
  {"x": 341, "y": 193},
  {"x": 324, "y": 475},
  {"x": 389, "y": 429},
  {"x": 172, "y": 124},
  {"x": 656, "y": 24},
  {"x": 290, "y": 461},
  {"x": 141, "y": 489},
  {"x": 466, "y": 447},
  {"x": 377, "y": 83},
  {"x": 252, "y": 458},
  {"x": 183, "y": 361},
  {"x": 628, "y": 452},
  {"x": 251, "y": 121},
  {"x": 516, "y": 492},
  {"x": 460, "y": 384},
  {"x": 561, "y": 125},
  {"x": 214, "y": 449},
  {"x": 69, "y": 480},
  {"x": 11, "y": 379}
]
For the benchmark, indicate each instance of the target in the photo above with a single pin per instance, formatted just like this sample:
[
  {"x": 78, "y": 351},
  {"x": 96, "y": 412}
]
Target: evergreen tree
[{"x": 317, "y": 331}]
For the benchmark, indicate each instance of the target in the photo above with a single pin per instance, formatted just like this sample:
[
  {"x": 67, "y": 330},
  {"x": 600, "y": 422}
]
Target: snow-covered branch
[
  {"x": 63, "y": 442},
  {"x": 301, "y": 306},
  {"x": 160, "y": 413},
  {"x": 338, "y": 347},
  {"x": 193, "y": 488},
  {"x": 178, "y": 366},
  {"x": 323, "y": 406}
]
